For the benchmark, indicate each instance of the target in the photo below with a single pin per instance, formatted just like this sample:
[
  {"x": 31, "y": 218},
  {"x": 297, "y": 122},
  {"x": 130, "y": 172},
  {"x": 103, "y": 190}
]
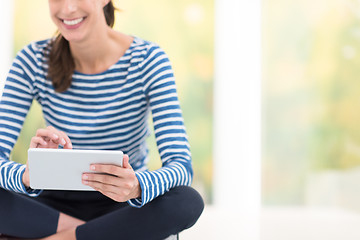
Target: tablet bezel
[{"x": 62, "y": 169}]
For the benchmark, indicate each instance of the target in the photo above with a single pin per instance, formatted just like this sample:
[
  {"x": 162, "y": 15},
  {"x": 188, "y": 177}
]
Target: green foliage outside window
[{"x": 311, "y": 96}]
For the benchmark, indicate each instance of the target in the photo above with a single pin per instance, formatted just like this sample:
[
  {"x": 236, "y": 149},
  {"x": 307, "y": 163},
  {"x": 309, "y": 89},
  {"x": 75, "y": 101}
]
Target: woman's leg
[
  {"x": 169, "y": 214},
  {"x": 67, "y": 222},
  {"x": 64, "y": 235},
  {"x": 24, "y": 217}
]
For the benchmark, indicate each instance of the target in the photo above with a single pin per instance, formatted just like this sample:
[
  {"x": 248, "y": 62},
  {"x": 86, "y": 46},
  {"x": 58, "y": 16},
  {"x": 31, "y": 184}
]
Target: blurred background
[{"x": 310, "y": 101}]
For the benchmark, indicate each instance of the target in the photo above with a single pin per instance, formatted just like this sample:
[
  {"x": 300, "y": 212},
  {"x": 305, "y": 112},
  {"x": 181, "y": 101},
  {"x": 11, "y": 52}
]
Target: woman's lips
[{"x": 73, "y": 23}]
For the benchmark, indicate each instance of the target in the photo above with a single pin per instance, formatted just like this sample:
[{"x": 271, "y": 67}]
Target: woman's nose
[{"x": 70, "y": 5}]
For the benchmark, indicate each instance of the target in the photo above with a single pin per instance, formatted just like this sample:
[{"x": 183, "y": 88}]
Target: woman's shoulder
[
  {"x": 144, "y": 48},
  {"x": 141, "y": 42},
  {"x": 36, "y": 50}
]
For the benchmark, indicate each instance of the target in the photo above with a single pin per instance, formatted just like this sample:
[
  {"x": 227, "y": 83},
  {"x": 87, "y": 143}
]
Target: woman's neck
[{"x": 100, "y": 52}]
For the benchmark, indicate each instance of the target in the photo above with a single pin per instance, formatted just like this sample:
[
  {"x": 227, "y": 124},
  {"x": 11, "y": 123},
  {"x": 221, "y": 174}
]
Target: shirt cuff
[{"x": 28, "y": 191}]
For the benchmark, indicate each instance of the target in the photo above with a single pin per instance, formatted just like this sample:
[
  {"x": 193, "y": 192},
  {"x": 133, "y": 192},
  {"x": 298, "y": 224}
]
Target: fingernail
[
  {"x": 55, "y": 136},
  {"x": 92, "y": 168},
  {"x": 86, "y": 182},
  {"x": 63, "y": 141},
  {"x": 85, "y": 177}
]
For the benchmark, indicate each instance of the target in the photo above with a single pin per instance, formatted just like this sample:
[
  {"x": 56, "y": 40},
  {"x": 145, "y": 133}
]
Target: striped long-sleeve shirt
[{"x": 108, "y": 110}]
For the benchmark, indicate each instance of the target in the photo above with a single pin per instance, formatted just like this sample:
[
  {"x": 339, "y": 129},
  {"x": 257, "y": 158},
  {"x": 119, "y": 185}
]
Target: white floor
[{"x": 295, "y": 223}]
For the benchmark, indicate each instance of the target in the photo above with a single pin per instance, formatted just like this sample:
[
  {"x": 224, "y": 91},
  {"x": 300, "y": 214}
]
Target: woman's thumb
[{"x": 126, "y": 163}]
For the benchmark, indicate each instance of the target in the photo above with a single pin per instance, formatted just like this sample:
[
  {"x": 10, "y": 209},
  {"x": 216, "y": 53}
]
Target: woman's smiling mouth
[{"x": 73, "y": 22}]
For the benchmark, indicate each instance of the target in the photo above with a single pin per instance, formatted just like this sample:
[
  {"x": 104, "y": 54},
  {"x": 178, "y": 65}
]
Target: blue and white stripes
[{"x": 108, "y": 110}]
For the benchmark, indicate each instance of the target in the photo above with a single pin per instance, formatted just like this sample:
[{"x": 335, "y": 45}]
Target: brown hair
[{"x": 61, "y": 62}]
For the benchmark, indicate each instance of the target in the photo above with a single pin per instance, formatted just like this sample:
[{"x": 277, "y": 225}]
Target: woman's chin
[{"x": 74, "y": 38}]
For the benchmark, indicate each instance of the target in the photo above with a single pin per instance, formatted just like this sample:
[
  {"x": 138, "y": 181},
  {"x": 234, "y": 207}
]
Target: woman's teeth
[{"x": 73, "y": 22}]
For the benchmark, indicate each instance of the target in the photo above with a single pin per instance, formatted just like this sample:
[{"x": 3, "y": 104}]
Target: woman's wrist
[
  {"x": 138, "y": 191},
  {"x": 25, "y": 178}
]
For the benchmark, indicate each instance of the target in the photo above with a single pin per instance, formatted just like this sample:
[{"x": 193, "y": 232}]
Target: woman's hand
[
  {"x": 48, "y": 137},
  {"x": 117, "y": 183}
]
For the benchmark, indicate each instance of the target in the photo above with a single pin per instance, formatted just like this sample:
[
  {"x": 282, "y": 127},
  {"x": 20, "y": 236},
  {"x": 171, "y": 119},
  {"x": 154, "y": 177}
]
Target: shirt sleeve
[
  {"x": 170, "y": 134},
  {"x": 15, "y": 102}
]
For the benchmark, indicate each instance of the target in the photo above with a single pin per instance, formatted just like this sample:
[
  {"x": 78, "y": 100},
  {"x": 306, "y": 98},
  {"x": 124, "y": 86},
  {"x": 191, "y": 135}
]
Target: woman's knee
[
  {"x": 187, "y": 206},
  {"x": 195, "y": 204}
]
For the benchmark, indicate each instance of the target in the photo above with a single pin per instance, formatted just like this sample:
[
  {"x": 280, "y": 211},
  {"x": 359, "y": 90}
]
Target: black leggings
[{"x": 25, "y": 217}]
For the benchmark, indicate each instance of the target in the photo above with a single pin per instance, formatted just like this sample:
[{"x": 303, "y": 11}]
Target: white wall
[
  {"x": 237, "y": 116},
  {"x": 6, "y": 39},
  {"x": 237, "y": 105}
]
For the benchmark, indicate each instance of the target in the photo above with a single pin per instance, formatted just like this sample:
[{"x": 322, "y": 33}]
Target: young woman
[{"x": 97, "y": 87}]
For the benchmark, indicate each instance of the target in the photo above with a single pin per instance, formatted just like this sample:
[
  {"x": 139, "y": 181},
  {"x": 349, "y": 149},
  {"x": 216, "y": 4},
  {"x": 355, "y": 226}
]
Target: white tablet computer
[{"x": 62, "y": 169}]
